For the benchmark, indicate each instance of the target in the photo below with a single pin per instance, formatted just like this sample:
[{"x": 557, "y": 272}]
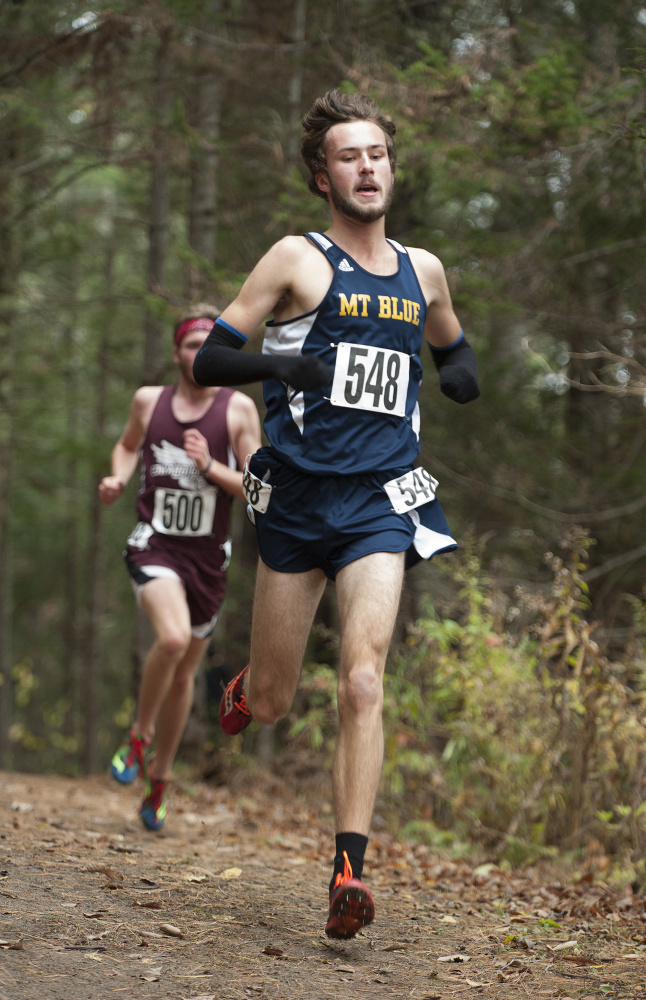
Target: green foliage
[
  {"x": 521, "y": 154},
  {"x": 522, "y": 745}
]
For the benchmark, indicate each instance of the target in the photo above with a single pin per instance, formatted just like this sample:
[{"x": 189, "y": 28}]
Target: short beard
[{"x": 358, "y": 213}]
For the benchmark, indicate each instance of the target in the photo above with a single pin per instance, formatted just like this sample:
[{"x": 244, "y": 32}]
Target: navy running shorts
[{"x": 326, "y": 522}]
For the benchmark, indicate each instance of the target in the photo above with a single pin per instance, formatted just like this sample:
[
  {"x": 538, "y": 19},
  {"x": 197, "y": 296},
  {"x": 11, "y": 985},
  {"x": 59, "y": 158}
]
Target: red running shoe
[
  {"x": 351, "y": 905},
  {"x": 234, "y": 714}
]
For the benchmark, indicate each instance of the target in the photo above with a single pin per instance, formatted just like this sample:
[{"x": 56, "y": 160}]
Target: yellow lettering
[
  {"x": 415, "y": 306},
  {"x": 365, "y": 299},
  {"x": 384, "y": 306},
  {"x": 408, "y": 312},
  {"x": 396, "y": 313},
  {"x": 347, "y": 308}
]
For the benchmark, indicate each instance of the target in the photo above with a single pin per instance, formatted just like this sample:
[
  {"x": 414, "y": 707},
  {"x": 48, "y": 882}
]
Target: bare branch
[{"x": 580, "y": 258}]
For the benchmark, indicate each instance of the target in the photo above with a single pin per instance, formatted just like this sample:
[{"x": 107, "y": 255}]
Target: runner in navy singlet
[
  {"x": 191, "y": 441},
  {"x": 338, "y": 492}
]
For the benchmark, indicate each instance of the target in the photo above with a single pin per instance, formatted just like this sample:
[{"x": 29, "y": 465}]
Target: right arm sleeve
[{"x": 220, "y": 362}]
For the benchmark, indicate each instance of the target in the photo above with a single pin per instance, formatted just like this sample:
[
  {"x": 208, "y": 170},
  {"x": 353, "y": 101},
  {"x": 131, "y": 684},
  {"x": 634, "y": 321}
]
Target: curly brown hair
[{"x": 334, "y": 108}]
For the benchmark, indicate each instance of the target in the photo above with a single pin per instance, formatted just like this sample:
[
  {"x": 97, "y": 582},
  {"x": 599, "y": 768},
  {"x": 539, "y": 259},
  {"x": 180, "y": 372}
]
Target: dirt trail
[{"x": 228, "y": 902}]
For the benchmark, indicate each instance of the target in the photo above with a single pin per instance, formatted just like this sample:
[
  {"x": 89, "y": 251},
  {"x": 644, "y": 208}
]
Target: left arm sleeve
[{"x": 458, "y": 370}]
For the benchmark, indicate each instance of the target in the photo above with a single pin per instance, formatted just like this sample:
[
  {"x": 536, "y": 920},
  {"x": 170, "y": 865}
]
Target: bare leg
[
  {"x": 176, "y": 707},
  {"x": 368, "y": 597},
  {"x": 164, "y": 602},
  {"x": 283, "y": 611}
]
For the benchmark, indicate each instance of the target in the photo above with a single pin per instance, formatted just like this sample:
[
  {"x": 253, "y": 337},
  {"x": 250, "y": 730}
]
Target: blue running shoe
[
  {"x": 153, "y": 808},
  {"x": 128, "y": 762}
]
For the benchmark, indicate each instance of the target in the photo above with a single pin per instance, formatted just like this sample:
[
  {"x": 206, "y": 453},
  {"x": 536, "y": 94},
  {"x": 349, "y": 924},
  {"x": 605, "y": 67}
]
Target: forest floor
[{"x": 229, "y": 902}]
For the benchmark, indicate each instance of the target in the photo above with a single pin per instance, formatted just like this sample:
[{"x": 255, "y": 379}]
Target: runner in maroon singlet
[{"x": 192, "y": 442}]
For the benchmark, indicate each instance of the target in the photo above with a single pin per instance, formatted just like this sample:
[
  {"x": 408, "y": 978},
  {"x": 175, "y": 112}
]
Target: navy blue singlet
[{"x": 369, "y": 329}]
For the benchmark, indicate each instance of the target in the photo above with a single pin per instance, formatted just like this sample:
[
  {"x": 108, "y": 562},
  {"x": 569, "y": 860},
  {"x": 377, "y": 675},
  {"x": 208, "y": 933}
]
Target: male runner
[
  {"x": 337, "y": 494},
  {"x": 191, "y": 441}
]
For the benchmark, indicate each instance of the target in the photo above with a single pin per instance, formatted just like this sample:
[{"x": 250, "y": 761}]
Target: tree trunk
[
  {"x": 294, "y": 103},
  {"x": 204, "y": 158},
  {"x": 9, "y": 267},
  {"x": 154, "y": 324},
  {"x": 95, "y": 565},
  {"x": 71, "y": 622}
]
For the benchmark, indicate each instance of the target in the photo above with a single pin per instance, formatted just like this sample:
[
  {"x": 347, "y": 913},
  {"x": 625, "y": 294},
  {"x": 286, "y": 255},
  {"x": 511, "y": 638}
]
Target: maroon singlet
[{"x": 183, "y": 519}]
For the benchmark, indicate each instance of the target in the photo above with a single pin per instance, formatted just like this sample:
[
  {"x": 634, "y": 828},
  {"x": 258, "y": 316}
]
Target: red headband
[{"x": 193, "y": 324}]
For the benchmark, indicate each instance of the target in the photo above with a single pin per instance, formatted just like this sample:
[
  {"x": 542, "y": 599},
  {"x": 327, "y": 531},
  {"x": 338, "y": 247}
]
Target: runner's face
[
  {"x": 359, "y": 178},
  {"x": 185, "y": 354}
]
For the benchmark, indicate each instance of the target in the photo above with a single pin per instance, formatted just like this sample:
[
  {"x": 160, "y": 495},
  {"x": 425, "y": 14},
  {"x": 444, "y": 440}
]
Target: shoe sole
[
  {"x": 351, "y": 908},
  {"x": 232, "y": 720},
  {"x": 152, "y": 825},
  {"x": 121, "y": 778}
]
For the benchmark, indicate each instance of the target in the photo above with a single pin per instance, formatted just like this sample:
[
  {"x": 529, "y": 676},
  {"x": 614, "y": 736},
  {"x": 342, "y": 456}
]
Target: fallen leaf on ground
[
  {"x": 231, "y": 873},
  {"x": 562, "y": 945},
  {"x": 152, "y": 976},
  {"x": 171, "y": 930},
  {"x": 12, "y": 945},
  {"x": 455, "y": 958}
]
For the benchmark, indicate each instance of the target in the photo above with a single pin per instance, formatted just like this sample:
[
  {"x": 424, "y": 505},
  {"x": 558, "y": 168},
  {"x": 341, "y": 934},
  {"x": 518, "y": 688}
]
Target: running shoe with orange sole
[{"x": 351, "y": 905}]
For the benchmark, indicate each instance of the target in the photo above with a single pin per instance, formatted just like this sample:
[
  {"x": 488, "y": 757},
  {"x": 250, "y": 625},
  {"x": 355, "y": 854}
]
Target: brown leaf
[
  {"x": 109, "y": 873},
  {"x": 455, "y": 958},
  {"x": 152, "y": 904},
  {"x": 95, "y": 915},
  {"x": 171, "y": 930},
  {"x": 152, "y": 976},
  {"x": 273, "y": 951}
]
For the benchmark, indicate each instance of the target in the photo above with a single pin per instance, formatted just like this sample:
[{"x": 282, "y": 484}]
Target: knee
[
  {"x": 173, "y": 644},
  {"x": 361, "y": 692},
  {"x": 267, "y": 705}
]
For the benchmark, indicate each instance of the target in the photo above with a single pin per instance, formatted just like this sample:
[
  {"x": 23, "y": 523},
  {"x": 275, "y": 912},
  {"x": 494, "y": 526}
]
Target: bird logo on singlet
[{"x": 173, "y": 461}]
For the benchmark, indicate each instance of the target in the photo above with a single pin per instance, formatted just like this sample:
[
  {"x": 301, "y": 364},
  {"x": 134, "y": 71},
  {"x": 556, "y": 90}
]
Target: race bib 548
[
  {"x": 411, "y": 490},
  {"x": 371, "y": 378}
]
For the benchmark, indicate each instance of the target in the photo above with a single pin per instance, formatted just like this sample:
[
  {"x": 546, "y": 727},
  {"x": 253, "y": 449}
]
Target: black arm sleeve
[
  {"x": 221, "y": 362},
  {"x": 458, "y": 370}
]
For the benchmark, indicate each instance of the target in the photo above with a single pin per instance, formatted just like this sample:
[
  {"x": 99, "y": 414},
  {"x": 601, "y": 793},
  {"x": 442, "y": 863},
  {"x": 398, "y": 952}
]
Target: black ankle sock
[{"x": 354, "y": 844}]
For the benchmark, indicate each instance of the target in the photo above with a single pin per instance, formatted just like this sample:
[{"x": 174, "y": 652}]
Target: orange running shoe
[
  {"x": 351, "y": 905},
  {"x": 234, "y": 714}
]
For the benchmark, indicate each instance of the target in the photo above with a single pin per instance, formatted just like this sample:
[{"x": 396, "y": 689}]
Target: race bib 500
[{"x": 184, "y": 512}]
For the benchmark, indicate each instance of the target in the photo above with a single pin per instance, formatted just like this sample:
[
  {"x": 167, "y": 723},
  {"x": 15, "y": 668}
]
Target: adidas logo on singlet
[{"x": 345, "y": 266}]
